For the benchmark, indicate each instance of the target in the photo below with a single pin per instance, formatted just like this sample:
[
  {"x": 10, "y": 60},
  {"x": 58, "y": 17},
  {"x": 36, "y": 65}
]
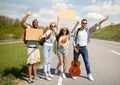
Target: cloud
[
  {"x": 45, "y": 15},
  {"x": 56, "y": 1},
  {"x": 94, "y": 16},
  {"x": 59, "y": 6},
  {"x": 106, "y": 8},
  {"x": 93, "y": 1}
]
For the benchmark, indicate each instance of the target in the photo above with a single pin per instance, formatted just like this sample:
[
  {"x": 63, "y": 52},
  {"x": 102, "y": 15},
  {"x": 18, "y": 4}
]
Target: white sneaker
[
  {"x": 48, "y": 78},
  {"x": 56, "y": 71},
  {"x": 36, "y": 78},
  {"x": 30, "y": 81},
  {"x": 73, "y": 77},
  {"x": 50, "y": 75},
  {"x": 63, "y": 75},
  {"x": 90, "y": 77}
]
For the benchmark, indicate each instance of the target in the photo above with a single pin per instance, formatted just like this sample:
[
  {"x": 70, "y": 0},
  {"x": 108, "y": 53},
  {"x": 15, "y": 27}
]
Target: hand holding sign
[{"x": 67, "y": 15}]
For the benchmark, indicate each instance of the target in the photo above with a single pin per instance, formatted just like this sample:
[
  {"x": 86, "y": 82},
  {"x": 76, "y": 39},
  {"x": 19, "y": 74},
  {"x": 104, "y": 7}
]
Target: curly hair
[{"x": 61, "y": 33}]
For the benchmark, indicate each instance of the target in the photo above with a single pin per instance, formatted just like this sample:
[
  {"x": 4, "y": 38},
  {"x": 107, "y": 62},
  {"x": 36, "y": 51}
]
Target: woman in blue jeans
[{"x": 48, "y": 49}]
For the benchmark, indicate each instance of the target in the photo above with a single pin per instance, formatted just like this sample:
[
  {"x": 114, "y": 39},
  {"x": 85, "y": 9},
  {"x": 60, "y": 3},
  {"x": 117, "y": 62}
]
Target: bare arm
[
  {"x": 25, "y": 18},
  {"x": 98, "y": 24},
  {"x": 106, "y": 18},
  {"x": 77, "y": 23}
]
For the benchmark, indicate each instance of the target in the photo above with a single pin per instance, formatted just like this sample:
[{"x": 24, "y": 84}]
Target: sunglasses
[
  {"x": 84, "y": 23},
  {"x": 53, "y": 25}
]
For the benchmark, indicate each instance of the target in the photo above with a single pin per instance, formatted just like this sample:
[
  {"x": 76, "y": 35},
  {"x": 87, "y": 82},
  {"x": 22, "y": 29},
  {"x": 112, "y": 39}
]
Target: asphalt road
[{"x": 104, "y": 58}]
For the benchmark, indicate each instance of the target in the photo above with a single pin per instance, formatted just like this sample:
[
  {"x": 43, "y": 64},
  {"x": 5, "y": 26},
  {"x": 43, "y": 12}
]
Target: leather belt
[{"x": 32, "y": 47}]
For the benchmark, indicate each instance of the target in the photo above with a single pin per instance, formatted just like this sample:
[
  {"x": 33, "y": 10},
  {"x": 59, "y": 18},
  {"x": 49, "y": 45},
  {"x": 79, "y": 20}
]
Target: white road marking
[
  {"x": 60, "y": 78},
  {"x": 115, "y": 52},
  {"x": 60, "y": 81}
]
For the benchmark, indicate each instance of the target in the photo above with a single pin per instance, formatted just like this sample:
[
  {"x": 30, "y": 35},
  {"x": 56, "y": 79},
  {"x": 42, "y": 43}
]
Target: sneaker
[
  {"x": 56, "y": 71},
  {"x": 48, "y": 78},
  {"x": 30, "y": 81},
  {"x": 73, "y": 77},
  {"x": 63, "y": 75},
  {"x": 90, "y": 77},
  {"x": 50, "y": 75},
  {"x": 36, "y": 78}
]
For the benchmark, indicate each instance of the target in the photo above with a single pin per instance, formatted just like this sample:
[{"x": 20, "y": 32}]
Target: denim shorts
[{"x": 62, "y": 51}]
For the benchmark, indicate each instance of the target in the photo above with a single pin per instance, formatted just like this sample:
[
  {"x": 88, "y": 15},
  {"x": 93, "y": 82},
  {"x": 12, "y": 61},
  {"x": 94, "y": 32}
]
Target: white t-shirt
[
  {"x": 82, "y": 38},
  {"x": 51, "y": 40},
  {"x": 64, "y": 41}
]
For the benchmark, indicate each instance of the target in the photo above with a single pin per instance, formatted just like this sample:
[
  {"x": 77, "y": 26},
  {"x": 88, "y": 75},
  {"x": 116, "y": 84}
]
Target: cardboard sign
[
  {"x": 67, "y": 15},
  {"x": 33, "y": 34}
]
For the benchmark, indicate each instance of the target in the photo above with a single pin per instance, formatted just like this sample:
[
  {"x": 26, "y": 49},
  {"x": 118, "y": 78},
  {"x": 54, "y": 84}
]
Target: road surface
[{"x": 104, "y": 58}]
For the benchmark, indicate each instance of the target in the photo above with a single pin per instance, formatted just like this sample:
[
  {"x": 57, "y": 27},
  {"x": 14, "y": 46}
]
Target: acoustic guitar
[{"x": 75, "y": 68}]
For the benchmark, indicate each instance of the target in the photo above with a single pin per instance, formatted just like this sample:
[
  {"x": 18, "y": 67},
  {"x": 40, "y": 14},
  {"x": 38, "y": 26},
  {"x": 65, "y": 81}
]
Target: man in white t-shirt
[{"x": 80, "y": 41}]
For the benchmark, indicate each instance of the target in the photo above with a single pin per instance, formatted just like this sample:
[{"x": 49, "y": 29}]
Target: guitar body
[{"x": 75, "y": 68}]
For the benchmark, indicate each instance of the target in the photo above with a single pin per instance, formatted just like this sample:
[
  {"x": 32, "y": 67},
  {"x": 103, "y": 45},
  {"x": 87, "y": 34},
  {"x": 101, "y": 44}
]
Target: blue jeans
[
  {"x": 84, "y": 52},
  {"x": 47, "y": 54}
]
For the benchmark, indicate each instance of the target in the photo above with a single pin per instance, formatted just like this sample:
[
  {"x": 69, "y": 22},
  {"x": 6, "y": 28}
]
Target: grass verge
[{"x": 13, "y": 62}]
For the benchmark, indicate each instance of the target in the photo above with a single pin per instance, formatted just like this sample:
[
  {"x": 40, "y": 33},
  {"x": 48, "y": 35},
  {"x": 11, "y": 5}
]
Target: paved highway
[{"x": 104, "y": 58}]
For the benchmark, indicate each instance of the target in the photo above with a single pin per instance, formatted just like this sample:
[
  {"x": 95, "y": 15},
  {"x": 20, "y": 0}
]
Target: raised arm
[
  {"x": 23, "y": 21},
  {"x": 98, "y": 24},
  {"x": 77, "y": 23},
  {"x": 106, "y": 18}
]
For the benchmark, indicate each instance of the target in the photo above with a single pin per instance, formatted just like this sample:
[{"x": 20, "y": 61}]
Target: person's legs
[
  {"x": 30, "y": 73},
  {"x": 35, "y": 69},
  {"x": 60, "y": 58},
  {"x": 64, "y": 66},
  {"x": 64, "y": 63},
  {"x": 84, "y": 53},
  {"x": 49, "y": 59},
  {"x": 47, "y": 51},
  {"x": 45, "y": 63},
  {"x": 29, "y": 70},
  {"x": 30, "y": 56}
]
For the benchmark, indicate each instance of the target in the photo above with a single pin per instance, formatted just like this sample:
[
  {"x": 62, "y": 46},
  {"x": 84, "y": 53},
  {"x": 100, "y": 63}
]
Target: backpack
[{"x": 42, "y": 40}]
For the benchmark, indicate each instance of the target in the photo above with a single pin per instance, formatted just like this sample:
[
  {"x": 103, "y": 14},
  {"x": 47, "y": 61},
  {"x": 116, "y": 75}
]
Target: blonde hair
[{"x": 51, "y": 24}]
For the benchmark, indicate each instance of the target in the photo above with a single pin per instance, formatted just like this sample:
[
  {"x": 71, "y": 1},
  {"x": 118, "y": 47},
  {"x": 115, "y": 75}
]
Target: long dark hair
[
  {"x": 61, "y": 33},
  {"x": 33, "y": 23}
]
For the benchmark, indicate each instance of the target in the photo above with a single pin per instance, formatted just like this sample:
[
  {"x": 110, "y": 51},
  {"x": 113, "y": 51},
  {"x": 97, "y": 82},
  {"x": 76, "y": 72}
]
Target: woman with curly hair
[{"x": 63, "y": 38}]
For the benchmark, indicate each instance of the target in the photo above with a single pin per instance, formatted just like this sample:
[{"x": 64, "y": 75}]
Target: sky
[{"x": 46, "y": 11}]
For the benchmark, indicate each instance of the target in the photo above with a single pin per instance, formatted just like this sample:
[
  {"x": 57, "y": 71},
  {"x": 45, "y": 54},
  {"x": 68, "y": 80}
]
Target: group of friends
[{"x": 62, "y": 36}]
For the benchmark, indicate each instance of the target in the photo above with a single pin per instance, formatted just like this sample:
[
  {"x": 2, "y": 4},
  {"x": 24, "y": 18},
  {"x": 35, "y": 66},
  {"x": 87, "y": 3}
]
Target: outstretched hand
[
  {"x": 30, "y": 12},
  {"x": 107, "y": 17}
]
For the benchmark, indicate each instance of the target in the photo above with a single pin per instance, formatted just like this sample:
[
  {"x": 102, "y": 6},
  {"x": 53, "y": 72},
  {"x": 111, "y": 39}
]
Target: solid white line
[
  {"x": 115, "y": 52},
  {"x": 60, "y": 81}
]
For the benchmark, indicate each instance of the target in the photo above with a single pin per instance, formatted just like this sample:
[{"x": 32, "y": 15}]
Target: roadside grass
[
  {"x": 11, "y": 33},
  {"x": 13, "y": 62},
  {"x": 111, "y": 32}
]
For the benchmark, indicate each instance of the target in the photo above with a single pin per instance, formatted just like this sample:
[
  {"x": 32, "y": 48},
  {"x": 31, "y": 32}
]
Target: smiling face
[
  {"x": 35, "y": 23},
  {"x": 64, "y": 31},
  {"x": 84, "y": 23},
  {"x": 53, "y": 26}
]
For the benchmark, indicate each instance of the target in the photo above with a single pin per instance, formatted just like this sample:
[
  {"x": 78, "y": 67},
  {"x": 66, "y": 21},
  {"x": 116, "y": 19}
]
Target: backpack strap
[{"x": 76, "y": 36}]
